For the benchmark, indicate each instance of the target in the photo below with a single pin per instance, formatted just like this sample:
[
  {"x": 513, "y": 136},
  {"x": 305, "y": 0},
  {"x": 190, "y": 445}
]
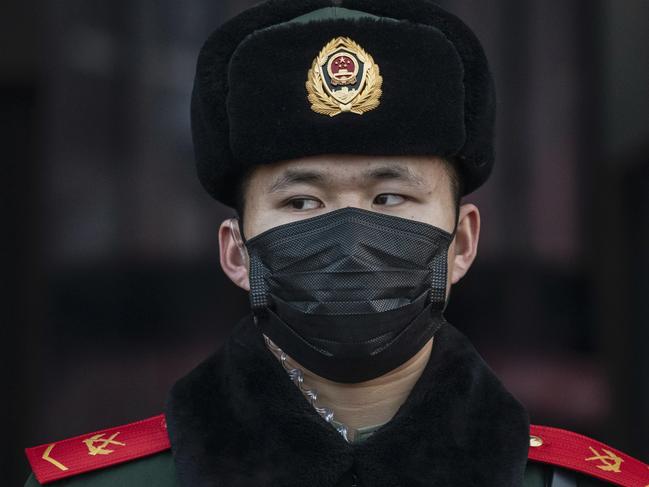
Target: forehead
[{"x": 427, "y": 172}]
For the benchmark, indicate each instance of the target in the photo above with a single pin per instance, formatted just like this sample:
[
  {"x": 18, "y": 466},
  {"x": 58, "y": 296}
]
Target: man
[{"x": 345, "y": 133}]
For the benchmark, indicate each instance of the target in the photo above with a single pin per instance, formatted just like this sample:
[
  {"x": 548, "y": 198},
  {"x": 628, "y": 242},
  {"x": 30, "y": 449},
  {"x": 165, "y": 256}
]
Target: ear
[
  {"x": 233, "y": 253},
  {"x": 464, "y": 248}
]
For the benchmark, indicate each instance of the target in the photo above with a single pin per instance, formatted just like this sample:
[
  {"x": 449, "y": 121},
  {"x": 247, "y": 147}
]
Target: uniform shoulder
[
  {"x": 559, "y": 457},
  {"x": 105, "y": 454}
]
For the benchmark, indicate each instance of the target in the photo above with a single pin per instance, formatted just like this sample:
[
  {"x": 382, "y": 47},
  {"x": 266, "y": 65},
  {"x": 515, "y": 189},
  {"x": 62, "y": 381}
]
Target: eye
[
  {"x": 389, "y": 199},
  {"x": 304, "y": 204}
]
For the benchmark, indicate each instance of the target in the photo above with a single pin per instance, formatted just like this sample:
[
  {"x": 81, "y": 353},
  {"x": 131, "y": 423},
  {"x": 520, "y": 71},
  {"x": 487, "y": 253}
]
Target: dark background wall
[{"x": 111, "y": 271}]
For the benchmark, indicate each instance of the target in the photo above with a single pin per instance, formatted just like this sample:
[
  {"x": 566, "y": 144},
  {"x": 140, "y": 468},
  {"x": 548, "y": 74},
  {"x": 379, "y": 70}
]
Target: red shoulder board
[
  {"x": 577, "y": 452},
  {"x": 101, "y": 449}
]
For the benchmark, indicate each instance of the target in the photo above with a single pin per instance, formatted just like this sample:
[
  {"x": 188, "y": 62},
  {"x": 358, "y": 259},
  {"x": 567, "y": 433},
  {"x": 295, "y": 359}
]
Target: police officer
[{"x": 345, "y": 134}]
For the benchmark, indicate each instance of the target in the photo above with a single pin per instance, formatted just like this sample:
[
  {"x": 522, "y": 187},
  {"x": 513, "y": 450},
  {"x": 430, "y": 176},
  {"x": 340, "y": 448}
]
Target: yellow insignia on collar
[{"x": 343, "y": 78}]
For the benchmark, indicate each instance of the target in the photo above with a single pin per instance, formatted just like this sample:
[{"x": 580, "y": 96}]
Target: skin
[{"x": 414, "y": 187}]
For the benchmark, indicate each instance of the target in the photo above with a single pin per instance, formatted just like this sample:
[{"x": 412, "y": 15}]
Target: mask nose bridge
[{"x": 348, "y": 241}]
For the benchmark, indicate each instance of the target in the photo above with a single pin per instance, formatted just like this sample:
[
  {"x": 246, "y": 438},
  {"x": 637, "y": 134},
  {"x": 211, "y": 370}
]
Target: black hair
[
  {"x": 240, "y": 198},
  {"x": 457, "y": 186}
]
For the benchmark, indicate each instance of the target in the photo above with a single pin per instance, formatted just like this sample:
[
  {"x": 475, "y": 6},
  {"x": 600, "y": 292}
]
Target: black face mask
[{"x": 351, "y": 294}]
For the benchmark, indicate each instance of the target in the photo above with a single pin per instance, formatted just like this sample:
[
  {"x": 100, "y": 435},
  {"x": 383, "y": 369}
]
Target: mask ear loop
[
  {"x": 447, "y": 296},
  {"x": 257, "y": 297},
  {"x": 235, "y": 230}
]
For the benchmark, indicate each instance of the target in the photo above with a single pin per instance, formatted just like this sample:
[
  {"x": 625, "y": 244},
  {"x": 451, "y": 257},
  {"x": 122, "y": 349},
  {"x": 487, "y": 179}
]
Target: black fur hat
[{"x": 294, "y": 78}]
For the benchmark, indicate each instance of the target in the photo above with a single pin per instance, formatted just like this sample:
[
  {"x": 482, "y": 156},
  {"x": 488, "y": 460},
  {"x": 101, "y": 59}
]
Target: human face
[{"x": 418, "y": 188}]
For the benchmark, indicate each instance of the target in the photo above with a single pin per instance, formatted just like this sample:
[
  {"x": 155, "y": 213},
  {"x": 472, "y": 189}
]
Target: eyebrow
[
  {"x": 394, "y": 172},
  {"x": 296, "y": 176},
  {"x": 292, "y": 177}
]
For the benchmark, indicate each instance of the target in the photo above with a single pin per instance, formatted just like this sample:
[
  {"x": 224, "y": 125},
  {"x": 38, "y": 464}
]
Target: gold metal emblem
[
  {"x": 104, "y": 442},
  {"x": 610, "y": 461},
  {"x": 343, "y": 78}
]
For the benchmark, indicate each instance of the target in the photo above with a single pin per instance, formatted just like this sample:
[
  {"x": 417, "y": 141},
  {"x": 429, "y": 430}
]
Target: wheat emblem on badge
[{"x": 343, "y": 78}]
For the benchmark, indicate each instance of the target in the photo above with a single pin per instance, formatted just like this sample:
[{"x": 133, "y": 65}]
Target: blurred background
[{"x": 111, "y": 273}]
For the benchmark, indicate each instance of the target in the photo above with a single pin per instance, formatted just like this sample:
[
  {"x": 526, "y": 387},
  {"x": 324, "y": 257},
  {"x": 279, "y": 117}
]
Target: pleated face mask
[{"x": 350, "y": 294}]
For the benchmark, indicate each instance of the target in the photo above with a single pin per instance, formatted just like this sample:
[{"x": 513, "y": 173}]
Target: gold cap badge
[{"x": 343, "y": 78}]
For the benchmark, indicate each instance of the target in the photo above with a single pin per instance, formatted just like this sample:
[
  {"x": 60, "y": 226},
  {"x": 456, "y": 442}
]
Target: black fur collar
[{"x": 238, "y": 420}]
